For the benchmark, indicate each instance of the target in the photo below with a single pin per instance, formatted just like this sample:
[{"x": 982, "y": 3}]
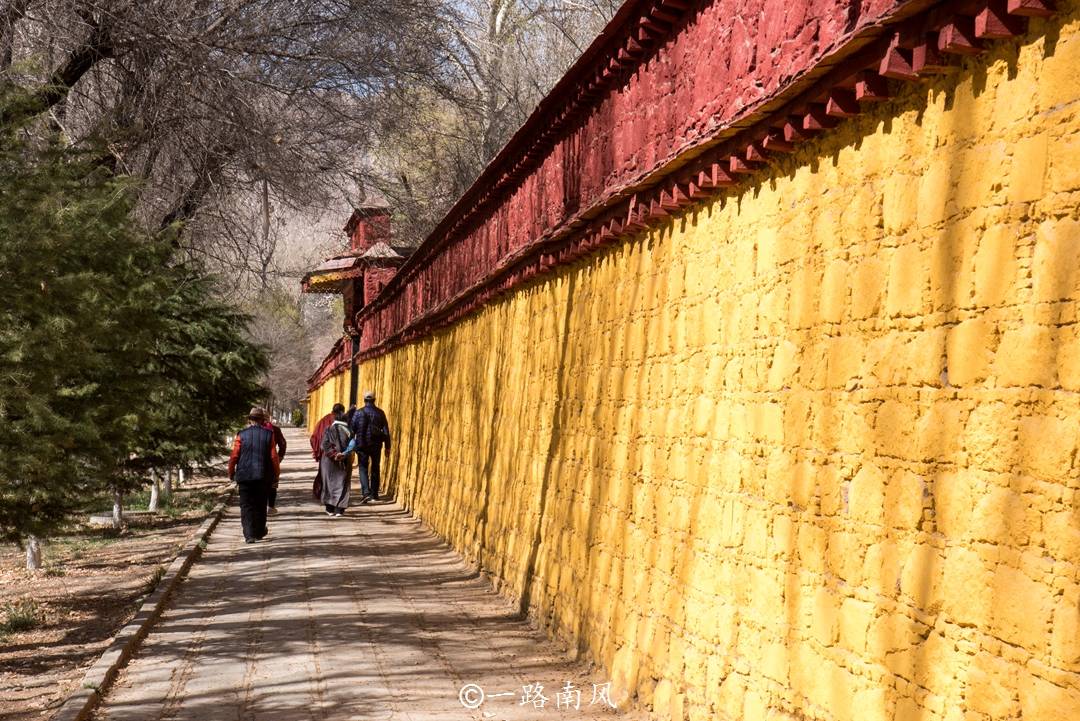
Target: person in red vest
[
  {"x": 279, "y": 444},
  {"x": 251, "y": 465}
]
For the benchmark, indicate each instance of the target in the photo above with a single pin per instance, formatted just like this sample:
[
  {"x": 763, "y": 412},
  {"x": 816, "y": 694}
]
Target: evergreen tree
[
  {"x": 210, "y": 372},
  {"x": 113, "y": 357},
  {"x": 77, "y": 331}
]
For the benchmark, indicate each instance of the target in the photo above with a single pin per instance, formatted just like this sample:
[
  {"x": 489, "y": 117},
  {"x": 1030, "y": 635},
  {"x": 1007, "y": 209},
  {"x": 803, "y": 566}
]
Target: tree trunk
[
  {"x": 167, "y": 486},
  {"x": 117, "y": 509},
  {"x": 33, "y": 553},
  {"x": 193, "y": 196},
  {"x": 266, "y": 253},
  {"x": 180, "y": 477},
  {"x": 155, "y": 491},
  {"x": 96, "y": 48}
]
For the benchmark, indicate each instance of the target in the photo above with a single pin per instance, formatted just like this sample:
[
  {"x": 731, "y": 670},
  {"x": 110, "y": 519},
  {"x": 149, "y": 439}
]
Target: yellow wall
[
  {"x": 810, "y": 450},
  {"x": 323, "y": 398}
]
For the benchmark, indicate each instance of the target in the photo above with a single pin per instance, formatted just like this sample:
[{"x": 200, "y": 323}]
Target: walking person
[
  {"x": 370, "y": 431},
  {"x": 335, "y": 466},
  {"x": 320, "y": 429},
  {"x": 251, "y": 465},
  {"x": 279, "y": 445},
  {"x": 316, "y": 449}
]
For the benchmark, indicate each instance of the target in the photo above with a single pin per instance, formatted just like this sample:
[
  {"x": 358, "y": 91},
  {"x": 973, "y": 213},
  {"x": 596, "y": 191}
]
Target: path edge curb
[{"x": 80, "y": 704}]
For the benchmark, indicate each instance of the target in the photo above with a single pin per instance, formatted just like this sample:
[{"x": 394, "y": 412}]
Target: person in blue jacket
[{"x": 371, "y": 432}]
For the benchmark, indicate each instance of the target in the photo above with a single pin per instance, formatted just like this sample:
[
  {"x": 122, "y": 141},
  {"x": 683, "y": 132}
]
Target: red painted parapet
[
  {"x": 376, "y": 278},
  {"x": 674, "y": 102}
]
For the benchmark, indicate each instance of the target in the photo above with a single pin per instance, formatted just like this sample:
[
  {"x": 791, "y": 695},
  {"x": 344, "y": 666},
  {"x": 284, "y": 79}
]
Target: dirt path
[
  {"x": 368, "y": 616},
  {"x": 91, "y": 585}
]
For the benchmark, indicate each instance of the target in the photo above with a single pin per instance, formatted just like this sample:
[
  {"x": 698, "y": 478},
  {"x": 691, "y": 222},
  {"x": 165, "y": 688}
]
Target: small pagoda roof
[
  {"x": 330, "y": 276},
  {"x": 381, "y": 251}
]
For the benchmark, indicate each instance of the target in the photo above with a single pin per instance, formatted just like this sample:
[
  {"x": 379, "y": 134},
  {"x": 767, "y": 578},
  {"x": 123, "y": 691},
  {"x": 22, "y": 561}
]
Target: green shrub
[
  {"x": 154, "y": 579},
  {"x": 22, "y": 615}
]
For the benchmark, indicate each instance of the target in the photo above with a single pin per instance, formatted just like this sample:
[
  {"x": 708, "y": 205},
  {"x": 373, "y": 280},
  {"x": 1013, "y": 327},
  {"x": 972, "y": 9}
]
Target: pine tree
[
  {"x": 113, "y": 356},
  {"x": 210, "y": 372},
  {"x": 77, "y": 331}
]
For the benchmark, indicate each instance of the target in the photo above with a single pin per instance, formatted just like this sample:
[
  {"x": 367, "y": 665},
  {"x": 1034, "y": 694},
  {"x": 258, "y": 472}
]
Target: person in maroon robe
[{"x": 316, "y": 447}]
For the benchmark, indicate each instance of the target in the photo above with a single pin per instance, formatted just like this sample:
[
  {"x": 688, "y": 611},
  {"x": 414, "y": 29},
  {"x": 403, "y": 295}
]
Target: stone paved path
[{"x": 368, "y": 616}]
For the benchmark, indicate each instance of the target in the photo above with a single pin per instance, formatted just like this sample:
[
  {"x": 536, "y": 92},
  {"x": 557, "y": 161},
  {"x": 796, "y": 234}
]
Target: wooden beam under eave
[
  {"x": 774, "y": 143},
  {"x": 794, "y": 131},
  {"x": 1031, "y": 8},
  {"x": 995, "y": 23},
  {"x": 871, "y": 87},
  {"x": 755, "y": 153},
  {"x": 842, "y": 104},
  {"x": 926, "y": 59},
  {"x": 817, "y": 118},
  {"x": 654, "y": 27},
  {"x": 896, "y": 63},
  {"x": 656, "y": 211},
  {"x": 715, "y": 176},
  {"x": 665, "y": 15},
  {"x": 634, "y": 222},
  {"x": 669, "y": 202},
  {"x": 958, "y": 37},
  {"x": 739, "y": 165},
  {"x": 697, "y": 192}
]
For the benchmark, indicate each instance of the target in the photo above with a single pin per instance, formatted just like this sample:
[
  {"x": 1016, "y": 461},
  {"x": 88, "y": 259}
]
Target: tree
[
  {"x": 278, "y": 326},
  {"x": 209, "y": 373},
  {"x": 77, "y": 331},
  {"x": 236, "y": 118},
  {"x": 205, "y": 102},
  {"x": 216, "y": 104},
  {"x": 113, "y": 356}
]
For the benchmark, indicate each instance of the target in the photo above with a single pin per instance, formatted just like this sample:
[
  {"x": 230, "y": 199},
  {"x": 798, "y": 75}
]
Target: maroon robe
[{"x": 316, "y": 437}]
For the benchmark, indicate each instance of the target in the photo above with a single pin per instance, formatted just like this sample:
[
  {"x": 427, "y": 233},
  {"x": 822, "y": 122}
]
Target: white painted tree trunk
[
  {"x": 117, "y": 509},
  {"x": 167, "y": 486},
  {"x": 180, "y": 477},
  {"x": 155, "y": 491},
  {"x": 33, "y": 553}
]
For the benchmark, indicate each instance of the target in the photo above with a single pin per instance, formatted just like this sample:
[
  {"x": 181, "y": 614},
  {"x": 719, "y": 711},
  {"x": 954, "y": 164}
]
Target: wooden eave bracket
[
  {"x": 896, "y": 63},
  {"x": 958, "y": 37},
  {"x": 1032, "y": 8},
  {"x": 774, "y": 142},
  {"x": 871, "y": 87},
  {"x": 926, "y": 59},
  {"x": 842, "y": 103},
  {"x": 995, "y": 23}
]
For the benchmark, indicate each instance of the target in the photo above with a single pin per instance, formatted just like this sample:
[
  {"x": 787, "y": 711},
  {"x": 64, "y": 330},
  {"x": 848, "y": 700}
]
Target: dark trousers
[
  {"x": 253, "y": 508},
  {"x": 369, "y": 480},
  {"x": 271, "y": 496}
]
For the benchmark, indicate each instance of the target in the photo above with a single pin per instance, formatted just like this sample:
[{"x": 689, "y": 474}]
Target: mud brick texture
[{"x": 808, "y": 451}]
